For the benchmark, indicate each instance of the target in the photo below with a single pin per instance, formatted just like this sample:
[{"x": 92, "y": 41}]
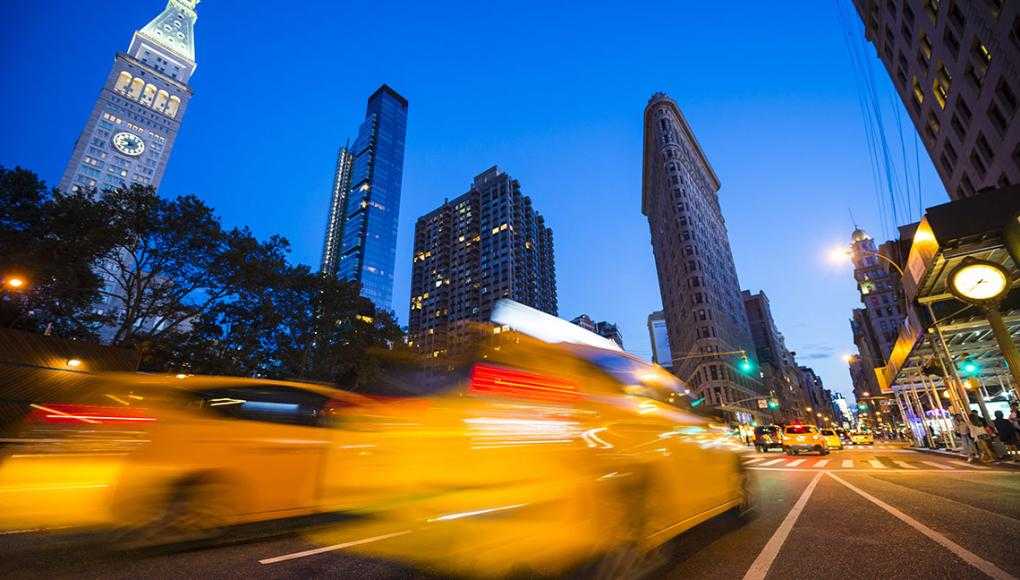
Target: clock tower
[{"x": 130, "y": 133}]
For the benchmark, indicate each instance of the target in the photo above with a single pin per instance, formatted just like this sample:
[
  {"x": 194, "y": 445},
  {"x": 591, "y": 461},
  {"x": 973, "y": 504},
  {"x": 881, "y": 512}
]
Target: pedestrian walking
[{"x": 1014, "y": 414}]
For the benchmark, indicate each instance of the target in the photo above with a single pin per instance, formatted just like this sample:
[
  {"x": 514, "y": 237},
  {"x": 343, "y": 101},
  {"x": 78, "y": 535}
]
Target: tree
[
  {"x": 287, "y": 323},
  {"x": 165, "y": 277},
  {"x": 51, "y": 239}
]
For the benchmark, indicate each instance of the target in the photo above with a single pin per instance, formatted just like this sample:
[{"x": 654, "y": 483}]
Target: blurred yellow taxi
[
  {"x": 176, "y": 457},
  {"x": 519, "y": 455},
  {"x": 803, "y": 438},
  {"x": 862, "y": 438},
  {"x": 525, "y": 455},
  {"x": 832, "y": 439}
]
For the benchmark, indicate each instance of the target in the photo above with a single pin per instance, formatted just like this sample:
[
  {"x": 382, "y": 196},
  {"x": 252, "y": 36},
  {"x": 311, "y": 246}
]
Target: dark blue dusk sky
[{"x": 551, "y": 92}]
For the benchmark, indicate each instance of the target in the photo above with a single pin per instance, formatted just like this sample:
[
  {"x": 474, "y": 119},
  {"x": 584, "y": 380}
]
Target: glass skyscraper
[{"x": 369, "y": 228}]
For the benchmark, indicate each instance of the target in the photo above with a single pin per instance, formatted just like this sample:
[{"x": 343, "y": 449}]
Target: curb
[{"x": 1007, "y": 464}]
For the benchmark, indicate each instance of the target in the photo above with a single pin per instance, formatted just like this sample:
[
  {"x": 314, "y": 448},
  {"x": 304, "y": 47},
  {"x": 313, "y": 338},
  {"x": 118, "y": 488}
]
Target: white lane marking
[
  {"x": 773, "y": 462},
  {"x": 796, "y": 462},
  {"x": 750, "y": 461},
  {"x": 821, "y": 463},
  {"x": 967, "y": 556},
  {"x": 760, "y": 567},
  {"x": 939, "y": 465},
  {"x": 904, "y": 464},
  {"x": 848, "y": 463},
  {"x": 971, "y": 465},
  {"x": 876, "y": 464},
  {"x": 315, "y": 551}
]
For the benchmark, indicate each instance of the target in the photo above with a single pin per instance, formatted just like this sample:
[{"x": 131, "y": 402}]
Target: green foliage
[
  {"x": 51, "y": 239},
  {"x": 165, "y": 277}
]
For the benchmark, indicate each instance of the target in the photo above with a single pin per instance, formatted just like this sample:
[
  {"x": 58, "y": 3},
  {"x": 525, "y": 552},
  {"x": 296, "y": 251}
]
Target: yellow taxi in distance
[
  {"x": 806, "y": 438},
  {"x": 832, "y": 439},
  {"x": 522, "y": 455},
  {"x": 862, "y": 438}
]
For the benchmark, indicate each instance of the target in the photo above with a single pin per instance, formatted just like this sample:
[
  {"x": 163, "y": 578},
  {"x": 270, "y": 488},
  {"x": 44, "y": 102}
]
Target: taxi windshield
[{"x": 638, "y": 377}]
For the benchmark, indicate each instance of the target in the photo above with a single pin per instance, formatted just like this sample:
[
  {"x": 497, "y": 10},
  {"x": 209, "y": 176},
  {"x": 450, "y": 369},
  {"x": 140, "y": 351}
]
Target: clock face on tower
[{"x": 129, "y": 143}]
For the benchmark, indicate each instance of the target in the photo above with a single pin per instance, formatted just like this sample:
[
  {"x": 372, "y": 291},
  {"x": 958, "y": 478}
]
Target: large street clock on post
[{"x": 129, "y": 143}]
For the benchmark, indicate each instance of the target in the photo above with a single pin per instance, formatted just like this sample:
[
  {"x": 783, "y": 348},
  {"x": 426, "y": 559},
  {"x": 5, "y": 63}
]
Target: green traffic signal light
[
  {"x": 970, "y": 367},
  {"x": 745, "y": 365},
  {"x": 773, "y": 404}
]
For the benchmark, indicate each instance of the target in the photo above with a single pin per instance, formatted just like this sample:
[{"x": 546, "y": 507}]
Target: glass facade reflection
[{"x": 369, "y": 240}]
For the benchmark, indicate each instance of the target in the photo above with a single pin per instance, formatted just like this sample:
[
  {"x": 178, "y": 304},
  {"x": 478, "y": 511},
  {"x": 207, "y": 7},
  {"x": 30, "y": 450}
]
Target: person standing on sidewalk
[
  {"x": 982, "y": 440},
  {"x": 1008, "y": 433},
  {"x": 963, "y": 434}
]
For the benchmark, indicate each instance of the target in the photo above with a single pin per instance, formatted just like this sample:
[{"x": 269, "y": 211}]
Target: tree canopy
[{"x": 130, "y": 268}]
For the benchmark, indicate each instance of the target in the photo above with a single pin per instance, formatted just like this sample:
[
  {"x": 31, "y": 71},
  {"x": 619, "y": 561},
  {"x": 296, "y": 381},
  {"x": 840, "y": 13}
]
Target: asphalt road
[{"x": 874, "y": 512}]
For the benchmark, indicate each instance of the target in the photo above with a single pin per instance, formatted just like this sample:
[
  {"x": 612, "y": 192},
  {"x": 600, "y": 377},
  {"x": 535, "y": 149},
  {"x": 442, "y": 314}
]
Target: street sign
[{"x": 762, "y": 404}]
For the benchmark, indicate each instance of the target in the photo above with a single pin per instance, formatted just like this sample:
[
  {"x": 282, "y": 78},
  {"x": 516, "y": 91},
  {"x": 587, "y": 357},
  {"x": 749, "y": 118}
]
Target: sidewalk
[{"x": 948, "y": 453}]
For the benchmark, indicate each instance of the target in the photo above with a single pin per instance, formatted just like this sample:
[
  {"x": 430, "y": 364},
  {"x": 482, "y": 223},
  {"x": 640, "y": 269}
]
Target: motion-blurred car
[
  {"x": 832, "y": 439},
  {"x": 526, "y": 455},
  {"x": 523, "y": 455},
  {"x": 768, "y": 437},
  {"x": 168, "y": 458},
  {"x": 862, "y": 438},
  {"x": 803, "y": 438}
]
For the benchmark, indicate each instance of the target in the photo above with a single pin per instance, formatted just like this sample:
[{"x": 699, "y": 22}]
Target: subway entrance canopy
[{"x": 943, "y": 340}]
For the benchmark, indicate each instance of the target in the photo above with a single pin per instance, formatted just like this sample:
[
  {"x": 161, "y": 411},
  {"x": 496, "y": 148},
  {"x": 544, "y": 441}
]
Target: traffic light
[
  {"x": 746, "y": 365},
  {"x": 773, "y": 404},
  {"x": 862, "y": 406},
  {"x": 697, "y": 402},
  {"x": 969, "y": 367}
]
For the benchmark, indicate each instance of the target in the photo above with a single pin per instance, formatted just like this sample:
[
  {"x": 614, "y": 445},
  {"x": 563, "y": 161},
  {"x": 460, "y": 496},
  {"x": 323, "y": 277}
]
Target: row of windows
[{"x": 136, "y": 89}]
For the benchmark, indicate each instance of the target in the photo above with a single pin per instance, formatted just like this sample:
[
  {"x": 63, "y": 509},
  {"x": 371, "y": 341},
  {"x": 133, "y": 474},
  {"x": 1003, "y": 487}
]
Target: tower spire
[{"x": 173, "y": 30}]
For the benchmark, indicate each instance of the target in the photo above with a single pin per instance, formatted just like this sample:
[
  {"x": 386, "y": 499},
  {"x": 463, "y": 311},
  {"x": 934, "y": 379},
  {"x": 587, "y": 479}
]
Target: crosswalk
[{"x": 875, "y": 463}]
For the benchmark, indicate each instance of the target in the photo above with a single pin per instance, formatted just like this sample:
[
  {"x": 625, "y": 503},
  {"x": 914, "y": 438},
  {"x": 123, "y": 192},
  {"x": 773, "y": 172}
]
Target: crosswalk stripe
[
  {"x": 939, "y": 465},
  {"x": 750, "y": 461},
  {"x": 821, "y": 463},
  {"x": 848, "y": 463},
  {"x": 876, "y": 464},
  {"x": 773, "y": 462},
  {"x": 904, "y": 464},
  {"x": 965, "y": 464},
  {"x": 796, "y": 462}
]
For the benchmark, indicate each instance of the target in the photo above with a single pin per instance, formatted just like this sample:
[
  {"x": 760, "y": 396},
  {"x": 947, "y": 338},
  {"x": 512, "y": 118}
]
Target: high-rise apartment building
[
  {"x": 877, "y": 323},
  {"x": 779, "y": 370},
  {"x": 659, "y": 338},
  {"x": 335, "y": 219},
  {"x": 603, "y": 328},
  {"x": 956, "y": 65},
  {"x": 700, "y": 293},
  {"x": 487, "y": 244},
  {"x": 131, "y": 130},
  {"x": 367, "y": 184}
]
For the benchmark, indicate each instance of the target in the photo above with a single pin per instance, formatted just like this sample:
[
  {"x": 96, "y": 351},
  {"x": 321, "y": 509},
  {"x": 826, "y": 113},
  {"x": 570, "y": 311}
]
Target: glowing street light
[
  {"x": 15, "y": 282},
  {"x": 73, "y": 363}
]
